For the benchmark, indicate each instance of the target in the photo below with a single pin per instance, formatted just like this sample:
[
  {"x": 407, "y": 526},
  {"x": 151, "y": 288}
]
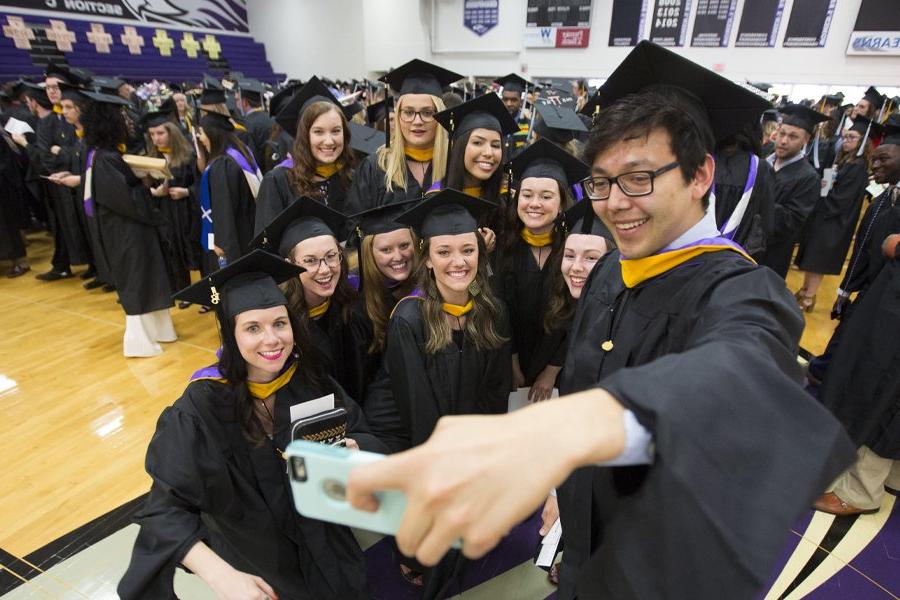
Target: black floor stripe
[
  {"x": 836, "y": 532},
  {"x": 66, "y": 546}
]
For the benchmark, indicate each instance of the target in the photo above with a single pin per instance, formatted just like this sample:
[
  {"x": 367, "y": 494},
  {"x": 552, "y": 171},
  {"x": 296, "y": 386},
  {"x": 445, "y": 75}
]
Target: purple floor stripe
[
  {"x": 880, "y": 560},
  {"x": 790, "y": 545}
]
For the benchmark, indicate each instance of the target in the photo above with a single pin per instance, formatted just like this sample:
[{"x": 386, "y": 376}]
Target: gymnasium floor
[{"x": 77, "y": 418}]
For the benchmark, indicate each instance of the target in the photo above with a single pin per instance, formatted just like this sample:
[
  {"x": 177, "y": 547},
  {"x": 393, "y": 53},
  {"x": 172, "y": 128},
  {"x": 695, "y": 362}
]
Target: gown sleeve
[
  {"x": 177, "y": 459},
  {"x": 848, "y": 188},
  {"x": 116, "y": 188},
  {"x": 798, "y": 202},
  {"x": 365, "y": 192},
  {"x": 225, "y": 181},
  {"x": 269, "y": 202}
]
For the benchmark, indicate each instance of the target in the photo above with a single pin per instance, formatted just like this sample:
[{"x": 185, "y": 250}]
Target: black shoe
[
  {"x": 17, "y": 271},
  {"x": 93, "y": 284},
  {"x": 108, "y": 287},
  {"x": 183, "y": 305},
  {"x": 89, "y": 274},
  {"x": 53, "y": 275}
]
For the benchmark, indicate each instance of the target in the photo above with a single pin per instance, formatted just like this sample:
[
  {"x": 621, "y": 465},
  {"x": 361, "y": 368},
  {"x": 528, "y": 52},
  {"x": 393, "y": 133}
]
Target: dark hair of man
[
  {"x": 252, "y": 102},
  {"x": 456, "y": 169},
  {"x": 637, "y": 115},
  {"x": 104, "y": 125},
  {"x": 451, "y": 99},
  {"x": 234, "y": 368},
  {"x": 301, "y": 176},
  {"x": 40, "y": 97},
  {"x": 747, "y": 139},
  {"x": 481, "y": 323}
]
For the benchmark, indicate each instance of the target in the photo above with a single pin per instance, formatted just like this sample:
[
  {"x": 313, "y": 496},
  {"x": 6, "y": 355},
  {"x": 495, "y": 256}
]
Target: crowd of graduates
[{"x": 420, "y": 248}]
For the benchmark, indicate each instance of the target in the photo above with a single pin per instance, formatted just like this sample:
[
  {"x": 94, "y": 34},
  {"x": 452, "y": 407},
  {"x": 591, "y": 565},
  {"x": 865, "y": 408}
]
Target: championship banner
[
  {"x": 558, "y": 24},
  {"x": 628, "y": 18},
  {"x": 877, "y": 29},
  {"x": 759, "y": 23},
  {"x": 669, "y": 22},
  {"x": 480, "y": 16},
  {"x": 809, "y": 23},
  {"x": 712, "y": 24},
  {"x": 217, "y": 15}
]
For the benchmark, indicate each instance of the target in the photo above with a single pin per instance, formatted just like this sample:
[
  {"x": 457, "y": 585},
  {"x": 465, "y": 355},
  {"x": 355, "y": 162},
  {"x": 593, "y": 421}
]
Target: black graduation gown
[
  {"x": 259, "y": 126},
  {"x": 127, "y": 227},
  {"x": 104, "y": 272},
  {"x": 526, "y": 290},
  {"x": 705, "y": 357},
  {"x": 53, "y": 130},
  {"x": 369, "y": 189},
  {"x": 344, "y": 346},
  {"x": 13, "y": 212},
  {"x": 732, "y": 169},
  {"x": 867, "y": 259},
  {"x": 797, "y": 187},
  {"x": 182, "y": 230},
  {"x": 233, "y": 207},
  {"x": 413, "y": 389},
  {"x": 211, "y": 484},
  {"x": 827, "y": 154},
  {"x": 275, "y": 195},
  {"x": 276, "y": 150},
  {"x": 829, "y": 229}
]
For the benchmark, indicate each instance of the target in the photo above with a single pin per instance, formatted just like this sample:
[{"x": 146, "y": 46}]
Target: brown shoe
[{"x": 830, "y": 503}]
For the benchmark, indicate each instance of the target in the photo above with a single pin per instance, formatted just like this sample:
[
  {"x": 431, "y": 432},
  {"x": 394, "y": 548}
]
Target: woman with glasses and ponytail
[
  {"x": 307, "y": 234},
  {"x": 415, "y": 154},
  {"x": 529, "y": 259}
]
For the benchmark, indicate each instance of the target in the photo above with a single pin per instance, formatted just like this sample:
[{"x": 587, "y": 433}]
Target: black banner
[
  {"x": 877, "y": 29},
  {"x": 759, "y": 23},
  {"x": 809, "y": 23},
  {"x": 712, "y": 24},
  {"x": 627, "y": 22},
  {"x": 669, "y": 22}
]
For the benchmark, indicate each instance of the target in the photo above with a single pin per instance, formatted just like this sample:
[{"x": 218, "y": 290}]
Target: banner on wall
[
  {"x": 223, "y": 15},
  {"x": 877, "y": 29},
  {"x": 759, "y": 23},
  {"x": 558, "y": 24},
  {"x": 628, "y": 18},
  {"x": 809, "y": 23},
  {"x": 712, "y": 23},
  {"x": 668, "y": 25},
  {"x": 480, "y": 16}
]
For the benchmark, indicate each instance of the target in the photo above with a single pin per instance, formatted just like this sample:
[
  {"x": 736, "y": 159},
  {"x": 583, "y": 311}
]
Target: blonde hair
[
  {"x": 373, "y": 290},
  {"x": 392, "y": 160},
  {"x": 181, "y": 149}
]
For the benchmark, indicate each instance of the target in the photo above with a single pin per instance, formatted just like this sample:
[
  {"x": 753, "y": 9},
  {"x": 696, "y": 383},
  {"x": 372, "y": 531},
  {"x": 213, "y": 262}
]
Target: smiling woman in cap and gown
[{"x": 220, "y": 503}]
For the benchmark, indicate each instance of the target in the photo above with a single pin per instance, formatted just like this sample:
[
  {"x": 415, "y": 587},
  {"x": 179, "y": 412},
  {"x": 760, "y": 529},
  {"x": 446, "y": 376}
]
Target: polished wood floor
[{"x": 77, "y": 415}]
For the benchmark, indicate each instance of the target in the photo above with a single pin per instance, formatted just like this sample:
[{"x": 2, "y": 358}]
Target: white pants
[
  {"x": 143, "y": 332},
  {"x": 862, "y": 485}
]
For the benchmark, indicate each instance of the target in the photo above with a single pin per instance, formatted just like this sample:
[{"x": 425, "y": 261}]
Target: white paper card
[
  {"x": 312, "y": 407},
  {"x": 549, "y": 545},
  {"x": 828, "y": 177},
  {"x": 519, "y": 398},
  {"x": 875, "y": 189},
  {"x": 14, "y": 125}
]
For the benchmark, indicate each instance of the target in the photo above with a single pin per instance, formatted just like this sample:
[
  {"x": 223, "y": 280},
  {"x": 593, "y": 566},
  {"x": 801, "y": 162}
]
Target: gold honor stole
[
  {"x": 420, "y": 154},
  {"x": 536, "y": 240},
  {"x": 636, "y": 271}
]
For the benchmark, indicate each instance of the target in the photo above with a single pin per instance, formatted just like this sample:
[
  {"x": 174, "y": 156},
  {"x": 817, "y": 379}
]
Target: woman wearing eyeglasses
[
  {"x": 306, "y": 234},
  {"x": 416, "y": 155},
  {"x": 528, "y": 261}
]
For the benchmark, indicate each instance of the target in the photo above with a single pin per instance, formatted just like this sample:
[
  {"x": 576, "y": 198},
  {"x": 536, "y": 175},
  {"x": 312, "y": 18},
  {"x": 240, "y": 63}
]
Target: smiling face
[
  {"x": 321, "y": 276},
  {"x": 417, "y": 133},
  {"x": 862, "y": 108},
  {"x": 886, "y": 164},
  {"x": 51, "y": 84},
  {"x": 646, "y": 224},
  {"x": 265, "y": 339},
  {"x": 539, "y": 203},
  {"x": 789, "y": 140},
  {"x": 393, "y": 254},
  {"x": 70, "y": 113},
  {"x": 326, "y": 137},
  {"x": 513, "y": 102},
  {"x": 454, "y": 261},
  {"x": 159, "y": 135},
  {"x": 483, "y": 154},
  {"x": 581, "y": 253}
]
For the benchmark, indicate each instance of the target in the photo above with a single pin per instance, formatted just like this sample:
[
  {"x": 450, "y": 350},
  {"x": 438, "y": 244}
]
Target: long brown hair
[
  {"x": 481, "y": 322},
  {"x": 513, "y": 226},
  {"x": 302, "y": 175},
  {"x": 377, "y": 307},
  {"x": 181, "y": 151},
  {"x": 851, "y": 157}
]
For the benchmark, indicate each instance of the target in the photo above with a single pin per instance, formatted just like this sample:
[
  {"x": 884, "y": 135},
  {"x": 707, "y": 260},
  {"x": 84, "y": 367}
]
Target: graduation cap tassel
[
  {"x": 862, "y": 144},
  {"x": 387, "y": 124},
  {"x": 816, "y": 147}
]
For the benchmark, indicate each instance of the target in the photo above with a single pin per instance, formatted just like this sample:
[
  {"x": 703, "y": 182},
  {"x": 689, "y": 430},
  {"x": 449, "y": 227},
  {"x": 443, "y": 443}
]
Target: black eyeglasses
[
  {"x": 408, "y": 115},
  {"x": 635, "y": 183}
]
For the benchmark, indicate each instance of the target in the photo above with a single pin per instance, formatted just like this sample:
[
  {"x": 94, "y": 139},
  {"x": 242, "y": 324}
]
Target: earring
[
  {"x": 296, "y": 352},
  {"x": 474, "y": 288}
]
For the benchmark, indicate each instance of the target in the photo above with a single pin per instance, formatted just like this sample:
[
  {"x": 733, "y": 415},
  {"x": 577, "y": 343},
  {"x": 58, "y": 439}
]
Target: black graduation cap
[
  {"x": 213, "y": 92},
  {"x": 557, "y": 123},
  {"x": 102, "y": 98},
  {"x": 770, "y": 114},
  {"x": 303, "y": 219},
  {"x": 216, "y": 121},
  {"x": 833, "y": 99},
  {"x": 364, "y": 140},
  {"x": 376, "y": 111},
  {"x": 801, "y": 116},
  {"x": 580, "y": 218},
  {"x": 280, "y": 99},
  {"x": 863, "y": 125},
  {"x": 487, "y": 112},
  {"x": 420, "y": 77},
  {"x": 381, "y": 219},
  {"x": 314, "y": 91},
  {"x": 545, "y": 159},
  {"x": 251, "y": 88},
  {"x": 874, "y": 97},
  {"x": 513, "y": 83},
  {"x": 354, "y": 108},
  {"x": 57, "y": 72},
  {"x": 249, "y": 283},
  {"x": 448, "y": 212},
  {"x": 712, "y": 99},
  {"x": 70, "y": 92},
  {"x": 166, "y": 112},
  {"x": 891, "y": 129},
  {"x": 764, "y": 87}
]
